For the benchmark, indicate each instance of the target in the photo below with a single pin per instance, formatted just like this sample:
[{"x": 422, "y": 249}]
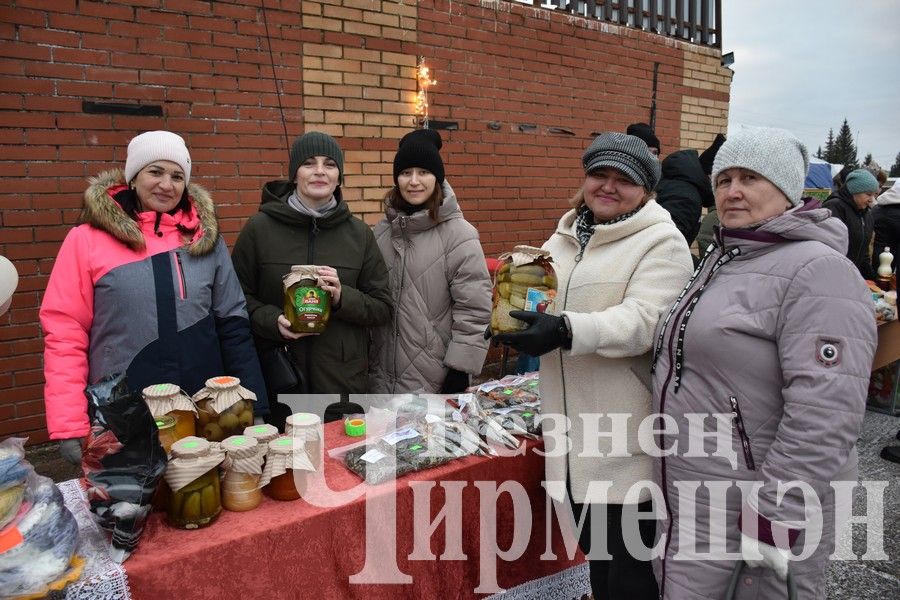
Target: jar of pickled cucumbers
[
  {"x": 287, "y": 468},
  {"x": 168, "y": 399},
  {"x": 306, "y": 305},
  {"x": 306, "y": 429},
  {"x": 224, "y": 408},
  {"x": 243, "y": 468},
  {"x": 193, "y": 479}
]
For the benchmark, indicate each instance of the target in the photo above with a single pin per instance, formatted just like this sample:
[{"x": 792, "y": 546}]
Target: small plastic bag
[
  {"x": 38, "y": 541},
  {"x": 123, "y": 462}
]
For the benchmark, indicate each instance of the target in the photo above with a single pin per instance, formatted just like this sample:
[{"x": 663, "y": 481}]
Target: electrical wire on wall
[{"x": 287, "y": 141}]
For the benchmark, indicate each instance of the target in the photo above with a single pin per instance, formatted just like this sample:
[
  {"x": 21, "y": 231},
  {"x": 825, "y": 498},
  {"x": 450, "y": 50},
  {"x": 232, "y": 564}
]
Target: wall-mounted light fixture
[
  {"x": 424, "y": 81},
  {"x": 728, "y": 59}
]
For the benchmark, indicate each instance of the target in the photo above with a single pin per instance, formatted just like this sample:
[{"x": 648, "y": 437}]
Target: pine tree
[
  {"x": 895, "y": 168},
  {"x": 829, "y": 147},
  {"x": 844, "y": 148},
  {"x": 867, "y": 160},
  {"x": 819, "y": 153}
]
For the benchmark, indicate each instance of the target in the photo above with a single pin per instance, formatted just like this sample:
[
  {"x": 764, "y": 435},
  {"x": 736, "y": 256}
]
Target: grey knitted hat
[
  {"x": 861, "y": 181},
  {"x": 625, "y": 153},
  {"x": 315, "y": 143},
  {"x": 776, "y": 154}
]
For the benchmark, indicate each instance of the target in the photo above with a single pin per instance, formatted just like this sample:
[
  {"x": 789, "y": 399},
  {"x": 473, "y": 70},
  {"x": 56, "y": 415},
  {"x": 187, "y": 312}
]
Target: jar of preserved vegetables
[
  {"x": 168, "y": 399},
  {"x": 224, "y": 408},
  {"x": 193, "y": 479},
  {"x": 306, "y": 305},
  {"x": 243, "y": 467},
  {"x": 286, "y": 470}
]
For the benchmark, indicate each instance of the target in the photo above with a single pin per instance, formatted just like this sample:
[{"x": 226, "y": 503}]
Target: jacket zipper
[
  {"x": 742, "y": 433},
  {"x": 662, "y": 409},
  {"x": 393, "y": 374},
  {"x": 179, "y": 269},
  {"x": 562, "y": 369}
]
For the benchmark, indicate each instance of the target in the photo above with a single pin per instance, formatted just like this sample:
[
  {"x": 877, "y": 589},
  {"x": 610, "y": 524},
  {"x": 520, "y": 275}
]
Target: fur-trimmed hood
[{"x": 103, "y": 212}]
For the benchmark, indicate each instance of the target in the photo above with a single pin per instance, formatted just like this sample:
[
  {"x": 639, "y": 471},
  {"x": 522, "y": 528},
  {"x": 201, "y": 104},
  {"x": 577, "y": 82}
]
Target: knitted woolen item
[
  {"x": 626, "y": 153},
  {"x": 157, "y": 145},
  {"x": 776, "y": 154},
  {"x": 646, "y": 133},
  {"x": 315, "y": 143},
  {"x": 420, "y": 148},
  {"x": 861, "y": 181}
]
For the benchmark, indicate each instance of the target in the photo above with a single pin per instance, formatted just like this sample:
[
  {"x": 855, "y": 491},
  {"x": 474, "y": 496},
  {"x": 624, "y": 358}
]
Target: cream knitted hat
[
  {"x": 157, "y": 145},
  {"x": 776, "y": 154}
]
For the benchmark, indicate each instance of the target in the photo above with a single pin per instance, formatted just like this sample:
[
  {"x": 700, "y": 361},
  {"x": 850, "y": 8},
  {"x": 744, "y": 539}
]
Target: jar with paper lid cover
[
  {"x": 287, "y": 467},
  {"x": 243, "y": 468},
  {"x": 168, "y": 399},
  {"x": 224, "y": 408},
  {"x": 306, "y": 429},
  {"x": 193, "y": 478},
  {"x": 306, "y": 305}
]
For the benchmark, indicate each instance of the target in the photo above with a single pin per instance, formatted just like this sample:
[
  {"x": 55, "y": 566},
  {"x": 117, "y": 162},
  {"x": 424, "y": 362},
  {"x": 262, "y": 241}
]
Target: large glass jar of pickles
[
  {"x": 224, "y": 408},
  {"x": 286, "y": 470},
  {"x": 306, "y": 305},
  {"x": 243, "y": 467},
  {"x": 168, "y": 399},
  {"x": 193, "y": 479},
  {"x": 525, "y": 280}
]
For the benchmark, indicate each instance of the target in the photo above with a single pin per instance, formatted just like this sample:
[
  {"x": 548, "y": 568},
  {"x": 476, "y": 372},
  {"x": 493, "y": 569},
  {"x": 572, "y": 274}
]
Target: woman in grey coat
[
  {"x": 438, "y": 280},
  {"x": 775, "y": 334}
]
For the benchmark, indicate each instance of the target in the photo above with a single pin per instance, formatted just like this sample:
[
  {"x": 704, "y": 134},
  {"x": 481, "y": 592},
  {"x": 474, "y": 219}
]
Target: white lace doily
[
  {"x": 570, "y": 584},
  {"x": 102, "y": 577}
]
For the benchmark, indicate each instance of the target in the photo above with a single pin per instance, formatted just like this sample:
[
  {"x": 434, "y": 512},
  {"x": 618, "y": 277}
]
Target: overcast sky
[{"x": 805, "y": 65}]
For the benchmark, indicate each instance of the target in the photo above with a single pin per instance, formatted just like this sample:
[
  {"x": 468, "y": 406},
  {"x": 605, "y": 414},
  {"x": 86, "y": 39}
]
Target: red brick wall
[{"x": 208, "y": 65}]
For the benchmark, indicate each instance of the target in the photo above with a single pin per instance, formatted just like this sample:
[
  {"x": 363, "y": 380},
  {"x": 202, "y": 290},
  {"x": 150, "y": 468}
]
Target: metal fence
[{"x": 696, "y": 21}]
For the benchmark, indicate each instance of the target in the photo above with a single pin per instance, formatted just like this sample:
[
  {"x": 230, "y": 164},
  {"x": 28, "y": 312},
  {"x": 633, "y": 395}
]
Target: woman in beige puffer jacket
[{"x": 438, "y": 280}]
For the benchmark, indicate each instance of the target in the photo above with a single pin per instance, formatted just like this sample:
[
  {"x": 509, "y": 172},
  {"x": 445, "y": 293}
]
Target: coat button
[{"x": 748, "y": 580}]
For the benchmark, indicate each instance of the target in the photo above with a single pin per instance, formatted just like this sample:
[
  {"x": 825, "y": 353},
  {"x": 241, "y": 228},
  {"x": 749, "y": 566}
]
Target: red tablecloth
[{"x": 296, "y": 550}]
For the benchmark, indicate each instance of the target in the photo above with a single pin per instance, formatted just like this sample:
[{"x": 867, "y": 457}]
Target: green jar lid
[{"x": 355, "y": 427}]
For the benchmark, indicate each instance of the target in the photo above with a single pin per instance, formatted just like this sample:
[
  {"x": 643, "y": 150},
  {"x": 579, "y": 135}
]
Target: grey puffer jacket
[
  {"x": 775, "y": 331},
  {"x": 442, "y": 300}
]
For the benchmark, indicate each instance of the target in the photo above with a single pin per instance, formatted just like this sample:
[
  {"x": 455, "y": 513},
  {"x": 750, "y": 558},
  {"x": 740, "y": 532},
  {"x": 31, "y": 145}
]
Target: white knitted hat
[
  {"x": 9, "y": 280},
  {"x": 776, "y": 154},
  {"x": 156, "y": 145}
]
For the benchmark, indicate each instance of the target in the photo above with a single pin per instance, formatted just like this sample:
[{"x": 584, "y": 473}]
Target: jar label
[{"x": 310, "y": 303}]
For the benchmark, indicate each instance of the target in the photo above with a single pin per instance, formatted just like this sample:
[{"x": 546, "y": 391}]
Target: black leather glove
[
  {"x": 456, "y": 382},
  {"x": 544, "y": 333}
]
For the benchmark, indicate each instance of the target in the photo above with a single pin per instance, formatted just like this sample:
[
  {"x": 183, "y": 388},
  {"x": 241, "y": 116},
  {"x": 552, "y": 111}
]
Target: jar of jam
[
  {"x": 306, "y": 305},
  {"x": 243, "y": 467},
  {"x": 306, "y": 429},
  {"x": 224, "y": 408},
  {"x": 169, "y": 399},
  {"x": 193, "y": 479},
  {"x": 287, "y": 467}
]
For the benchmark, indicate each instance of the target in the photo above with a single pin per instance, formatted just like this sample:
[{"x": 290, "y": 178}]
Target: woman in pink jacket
[{"x": 144, "y": 286}]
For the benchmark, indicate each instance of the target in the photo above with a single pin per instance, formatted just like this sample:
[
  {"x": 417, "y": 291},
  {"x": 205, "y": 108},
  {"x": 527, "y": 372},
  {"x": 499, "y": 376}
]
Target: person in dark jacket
[
  {"x": 305, "y": 221},
  {"x": 886, "y": 216},
  {"x": 851, "y": 205},
  {"x": 710, "y": 221},
  {"x": 684, "y": 190}
]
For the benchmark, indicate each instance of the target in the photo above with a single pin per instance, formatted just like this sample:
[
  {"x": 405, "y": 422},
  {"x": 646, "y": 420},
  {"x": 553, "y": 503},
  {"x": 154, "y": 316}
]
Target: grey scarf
[{"x": 297, "y": 204}]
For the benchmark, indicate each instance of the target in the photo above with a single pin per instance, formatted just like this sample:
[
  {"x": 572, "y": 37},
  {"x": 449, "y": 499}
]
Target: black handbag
[{"x": 280, "y": 372}]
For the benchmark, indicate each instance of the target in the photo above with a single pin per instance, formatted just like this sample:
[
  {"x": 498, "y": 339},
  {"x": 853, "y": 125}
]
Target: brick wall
[{"x": 507, "y": 73}]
